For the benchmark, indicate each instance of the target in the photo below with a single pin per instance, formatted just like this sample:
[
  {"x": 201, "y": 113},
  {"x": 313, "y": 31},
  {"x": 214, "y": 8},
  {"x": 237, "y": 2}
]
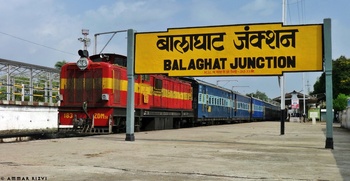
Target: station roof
[{"x": 288, "y": 96}]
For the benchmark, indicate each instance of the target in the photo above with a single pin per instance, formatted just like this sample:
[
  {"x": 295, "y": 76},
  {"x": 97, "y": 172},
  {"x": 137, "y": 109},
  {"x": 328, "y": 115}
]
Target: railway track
[{"x": 37, "y": 135}]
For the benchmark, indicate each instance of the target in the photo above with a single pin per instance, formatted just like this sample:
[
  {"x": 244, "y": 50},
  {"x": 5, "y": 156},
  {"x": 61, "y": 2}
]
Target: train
[{"x": 93, "y": 94}]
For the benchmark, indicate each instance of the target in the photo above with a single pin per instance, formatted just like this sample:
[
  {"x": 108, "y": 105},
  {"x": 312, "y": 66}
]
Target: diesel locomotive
[{"x": 93, "y": 94}]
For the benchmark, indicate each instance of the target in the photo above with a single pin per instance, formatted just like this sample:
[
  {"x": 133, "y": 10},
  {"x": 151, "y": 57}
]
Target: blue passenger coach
[
  {"x": 243, "y": 107},
  {"x": 258, "y": 109},
  {"x": 272, "y": 111},
  {"x": 214, "y": 103}
]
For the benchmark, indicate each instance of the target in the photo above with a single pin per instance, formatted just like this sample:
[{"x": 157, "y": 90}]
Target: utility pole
[{"x": 281, "y": 78}]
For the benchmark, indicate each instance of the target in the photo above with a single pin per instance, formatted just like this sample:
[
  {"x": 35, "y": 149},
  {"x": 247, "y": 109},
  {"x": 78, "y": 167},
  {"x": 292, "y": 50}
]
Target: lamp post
[{"x": 85, "y": 40}]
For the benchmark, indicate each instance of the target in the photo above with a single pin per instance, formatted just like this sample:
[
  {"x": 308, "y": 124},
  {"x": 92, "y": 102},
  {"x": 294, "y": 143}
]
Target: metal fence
[{"x": 27, "y": 82}]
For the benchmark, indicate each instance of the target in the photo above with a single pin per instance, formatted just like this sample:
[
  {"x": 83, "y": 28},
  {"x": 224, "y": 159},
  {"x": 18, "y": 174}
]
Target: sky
[{"x": 43, "y": 32}]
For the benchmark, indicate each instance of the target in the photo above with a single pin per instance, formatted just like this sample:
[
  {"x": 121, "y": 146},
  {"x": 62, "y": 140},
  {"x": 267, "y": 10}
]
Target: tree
[
  {"x": 340, "y": 81},
  {"x": 259, "y": 95},
  {"x": 59, "y": 64},
  {"x": 340, "y": 102},
  {"x": 320, "y": 86},
  {"x": 340, "y": 78}
]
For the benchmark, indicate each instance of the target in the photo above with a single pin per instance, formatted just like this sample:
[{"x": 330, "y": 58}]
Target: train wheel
[
  {"x": 177, "y": 124},
  {"x": 138, "y": 125}
]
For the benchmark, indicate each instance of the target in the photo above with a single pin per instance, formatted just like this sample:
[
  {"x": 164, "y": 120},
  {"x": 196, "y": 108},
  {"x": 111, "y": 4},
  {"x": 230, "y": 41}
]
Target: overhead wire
[
  {"x": 299, "y": 19},
  {"x": 300, "y": 11},
  {"x": 288, "y": 13},
  {"x": 28, "y": 41}
]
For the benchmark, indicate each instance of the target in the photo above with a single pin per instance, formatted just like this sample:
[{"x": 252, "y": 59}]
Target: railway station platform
[
  {"x": 247, "y": 151},
  {"x": 18, "y": 118}
]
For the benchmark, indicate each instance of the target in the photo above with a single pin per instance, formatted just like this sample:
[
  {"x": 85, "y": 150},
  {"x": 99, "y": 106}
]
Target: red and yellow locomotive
[{"x": 93, "y": 95}]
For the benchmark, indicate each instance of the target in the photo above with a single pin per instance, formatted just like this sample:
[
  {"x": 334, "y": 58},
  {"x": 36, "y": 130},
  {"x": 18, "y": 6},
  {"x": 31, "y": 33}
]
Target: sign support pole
[
  {"x": 281, "y": 78},
  {"x": 130, "y": 109},
  {"x": 283, "y": 117},
  {"x": 329, "y": 86}
]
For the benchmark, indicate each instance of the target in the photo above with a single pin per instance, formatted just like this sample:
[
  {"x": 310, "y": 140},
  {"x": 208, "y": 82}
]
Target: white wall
[
  {"x": 344, "y": 117},
  {"x": 27, "y": 117}
]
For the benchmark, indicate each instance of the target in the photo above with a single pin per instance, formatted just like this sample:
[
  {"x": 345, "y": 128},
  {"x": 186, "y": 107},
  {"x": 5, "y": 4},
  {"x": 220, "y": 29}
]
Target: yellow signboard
[{"x": 254, "y": 49}]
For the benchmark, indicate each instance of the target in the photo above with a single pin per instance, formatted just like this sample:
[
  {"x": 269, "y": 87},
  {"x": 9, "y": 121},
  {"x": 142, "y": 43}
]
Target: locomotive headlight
[{"x": 82, "y": 63}]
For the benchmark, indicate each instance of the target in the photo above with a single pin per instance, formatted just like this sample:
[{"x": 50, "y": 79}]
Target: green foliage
[
  {"x": 320, "y": 86},
  {"x": 259, "y": 95},
  {"x": 38, "y": 89},
  {"x": 340, "y": 78},
  {"x": 59, "y": 64},
  {"x": 340, "y": 102},
  {"x": 3, "y": 93}
]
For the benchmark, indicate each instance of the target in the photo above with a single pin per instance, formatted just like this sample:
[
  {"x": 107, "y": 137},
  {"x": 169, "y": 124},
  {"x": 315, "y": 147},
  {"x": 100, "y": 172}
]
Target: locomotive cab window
[
  {"x": 158, "y": 84},
  {"x": 120, "y": 61},
  {"x": 110, "y": 58}
]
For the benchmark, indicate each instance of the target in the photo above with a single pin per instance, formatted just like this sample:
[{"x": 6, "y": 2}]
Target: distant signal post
[{"x": 233, "y": 50}]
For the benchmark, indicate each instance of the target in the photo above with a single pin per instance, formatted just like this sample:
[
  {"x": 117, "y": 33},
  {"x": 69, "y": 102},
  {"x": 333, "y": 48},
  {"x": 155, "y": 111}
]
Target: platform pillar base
[
  {"x": 130, "y": 137},
  {"x": 329, "y": 143}
]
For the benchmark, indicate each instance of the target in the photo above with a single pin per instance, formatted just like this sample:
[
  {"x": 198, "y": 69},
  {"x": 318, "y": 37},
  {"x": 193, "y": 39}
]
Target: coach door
[
  {"x": 205, "y": 106},
  {"x": 116, "y": 86},
  {"x": 163, "y": 98},
  {"x": 157, "y": 92}
]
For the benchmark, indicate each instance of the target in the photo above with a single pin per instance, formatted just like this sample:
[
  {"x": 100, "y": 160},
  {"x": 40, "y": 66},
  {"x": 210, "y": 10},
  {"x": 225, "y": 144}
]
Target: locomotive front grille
[{"x": 83, "y": 86}]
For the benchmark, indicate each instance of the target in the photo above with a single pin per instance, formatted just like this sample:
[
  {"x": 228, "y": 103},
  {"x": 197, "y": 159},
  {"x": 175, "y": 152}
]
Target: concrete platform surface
[{"x": 249, "y": 151}]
